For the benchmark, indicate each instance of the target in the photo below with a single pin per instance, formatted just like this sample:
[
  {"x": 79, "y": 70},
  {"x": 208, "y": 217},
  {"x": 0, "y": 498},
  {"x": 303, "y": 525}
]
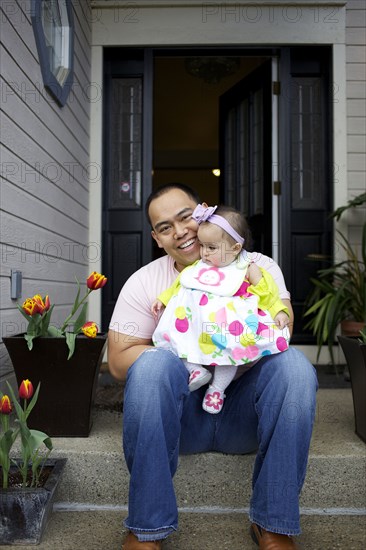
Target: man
[{"x": 270, "y": 407}]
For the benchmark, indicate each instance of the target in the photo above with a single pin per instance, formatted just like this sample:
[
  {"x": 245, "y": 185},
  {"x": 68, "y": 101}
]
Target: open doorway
[{"x": 186, "y": 129}]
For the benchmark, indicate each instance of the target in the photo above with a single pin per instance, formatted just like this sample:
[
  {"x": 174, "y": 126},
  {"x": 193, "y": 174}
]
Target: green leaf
[
  {"x": 33, "y": 401},
  {"x": 18, "y": 409},
  {"x": 54, "y": 332},
  {"x": 25, "y": 436},
  {"x": 70, "y": 341},
  {"x": 356, "y": 201},
  {"x": 76, "y": 302},
  {"x": 6, "y": 443},
  {"x": 29, "y": 338},
  {"x": 81, "y": 320},
  {"x": 34, "y": 326},
  {"x": 45, "y": 321},
  {"x": 37, "y": 438},
  {"x": 364, "y": 244}
]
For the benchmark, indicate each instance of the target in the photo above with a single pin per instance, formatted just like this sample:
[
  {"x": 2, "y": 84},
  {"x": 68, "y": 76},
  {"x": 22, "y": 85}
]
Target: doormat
[
  {"x": 109, "y": 393},
  {"x": 333, "y": 376}
]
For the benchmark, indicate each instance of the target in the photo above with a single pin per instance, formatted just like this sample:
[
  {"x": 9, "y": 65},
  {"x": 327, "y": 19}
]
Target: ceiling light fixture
[{"x": 212, "y": 69}]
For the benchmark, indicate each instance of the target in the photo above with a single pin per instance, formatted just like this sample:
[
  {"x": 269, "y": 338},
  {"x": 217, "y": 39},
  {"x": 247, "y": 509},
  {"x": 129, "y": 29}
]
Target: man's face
[{"x": 174, "y": 230}]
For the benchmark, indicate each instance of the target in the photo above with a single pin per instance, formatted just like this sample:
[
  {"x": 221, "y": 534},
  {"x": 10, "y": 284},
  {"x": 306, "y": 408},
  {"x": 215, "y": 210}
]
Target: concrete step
[
  {"x": 96, "y": 473},
  {"x": 101, "y": 530},
  {"x": 213, "y": 490}
]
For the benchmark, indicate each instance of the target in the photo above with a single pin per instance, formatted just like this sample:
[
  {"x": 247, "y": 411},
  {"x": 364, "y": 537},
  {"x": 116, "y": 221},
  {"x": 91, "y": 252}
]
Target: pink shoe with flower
[
  {"x": 213, "y": 400},
  {"x": 198, "y": 378}
]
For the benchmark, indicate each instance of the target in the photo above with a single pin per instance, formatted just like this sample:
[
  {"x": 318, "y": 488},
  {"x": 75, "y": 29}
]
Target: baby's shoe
[
  {"x": 213, "y": 400},
  {"x": 198, "y": 378}
]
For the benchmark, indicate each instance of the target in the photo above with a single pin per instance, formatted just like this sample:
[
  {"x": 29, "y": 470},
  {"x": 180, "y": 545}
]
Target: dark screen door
[
  {"x": 305, "y": 182},
  {"x": 246, "y": 152}
]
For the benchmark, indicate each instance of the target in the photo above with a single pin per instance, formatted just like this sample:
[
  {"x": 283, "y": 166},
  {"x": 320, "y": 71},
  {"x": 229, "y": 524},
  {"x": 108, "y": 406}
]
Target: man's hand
[
  {"x": 288, "y": 304},
  {"x": 282, "y": 319},
  {"x": 123, "y": 350}
]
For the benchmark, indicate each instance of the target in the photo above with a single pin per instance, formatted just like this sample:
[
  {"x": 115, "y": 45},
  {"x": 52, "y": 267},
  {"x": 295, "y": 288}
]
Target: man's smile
[{"x": 187, "y": 243}]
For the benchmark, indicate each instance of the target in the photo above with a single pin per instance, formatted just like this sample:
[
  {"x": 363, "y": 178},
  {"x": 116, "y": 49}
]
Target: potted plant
[
  {"x": 339, "y": 298},
  {"x": 67, "y": 358},
  {"x": 339, "y": 291},
  {"x": 354, "y": 350},
  {"x": 27, "y": 484}
]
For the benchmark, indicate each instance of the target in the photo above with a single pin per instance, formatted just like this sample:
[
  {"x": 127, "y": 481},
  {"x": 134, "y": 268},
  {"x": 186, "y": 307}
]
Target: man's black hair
[{"x": 192, "y": 194}]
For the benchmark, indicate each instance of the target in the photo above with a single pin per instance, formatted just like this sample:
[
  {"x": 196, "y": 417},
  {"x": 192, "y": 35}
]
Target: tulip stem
[{"x": 74, "y": 310}]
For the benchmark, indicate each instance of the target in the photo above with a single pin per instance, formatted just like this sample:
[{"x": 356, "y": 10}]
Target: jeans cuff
[
  {"x": 147, "y": 535},
  {"x": 280, "y": 527}
]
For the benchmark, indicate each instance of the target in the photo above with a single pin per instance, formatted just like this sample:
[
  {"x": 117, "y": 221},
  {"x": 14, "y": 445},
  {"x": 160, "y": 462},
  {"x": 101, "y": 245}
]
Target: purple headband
[{"x": 206, "y": 214}]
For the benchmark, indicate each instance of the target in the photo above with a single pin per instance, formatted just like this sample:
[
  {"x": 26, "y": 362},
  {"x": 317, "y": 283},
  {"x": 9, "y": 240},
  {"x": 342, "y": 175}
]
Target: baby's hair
[{"x": 237, "y": 220}]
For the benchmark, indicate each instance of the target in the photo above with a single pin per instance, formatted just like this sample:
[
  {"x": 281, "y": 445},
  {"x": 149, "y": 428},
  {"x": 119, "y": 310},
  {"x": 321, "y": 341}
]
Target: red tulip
[
  {"x": 26, "y": 389},
  {"x": 96, "y": 280},
  {"x": 30, "y": 306},
  {"x": 5, "y": 405},
  {"x": 90, "y": 329},
  {"x": 42, "y": 305}
]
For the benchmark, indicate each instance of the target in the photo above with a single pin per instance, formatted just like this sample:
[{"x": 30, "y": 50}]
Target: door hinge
[
  {"x": 276, "y": 87},
  {"x": 277, "y": 188}
]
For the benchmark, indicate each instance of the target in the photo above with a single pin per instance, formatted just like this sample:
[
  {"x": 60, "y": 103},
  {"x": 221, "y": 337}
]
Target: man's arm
[
  {"x": 123, "y": 350},
  {"x": 274, "y": 269}
]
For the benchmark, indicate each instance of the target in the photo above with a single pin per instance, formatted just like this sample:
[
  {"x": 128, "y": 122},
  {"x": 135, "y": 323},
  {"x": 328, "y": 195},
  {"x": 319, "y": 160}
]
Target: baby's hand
[
  {"x": 157, "y": 309},
  {"x": 282, "y": 319}
]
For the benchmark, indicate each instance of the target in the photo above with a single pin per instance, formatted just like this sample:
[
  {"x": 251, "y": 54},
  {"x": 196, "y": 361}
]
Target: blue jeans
[{"x": 270, "y": 408}]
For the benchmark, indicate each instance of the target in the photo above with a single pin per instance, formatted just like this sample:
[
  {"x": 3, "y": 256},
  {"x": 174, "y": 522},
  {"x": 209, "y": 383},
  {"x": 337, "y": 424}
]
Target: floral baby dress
[{"x": 215, "y": 317}]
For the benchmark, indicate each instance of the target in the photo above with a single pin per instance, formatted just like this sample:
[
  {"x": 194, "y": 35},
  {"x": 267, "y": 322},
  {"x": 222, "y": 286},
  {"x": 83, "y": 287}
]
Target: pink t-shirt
[{"x": 132, "y": 313}]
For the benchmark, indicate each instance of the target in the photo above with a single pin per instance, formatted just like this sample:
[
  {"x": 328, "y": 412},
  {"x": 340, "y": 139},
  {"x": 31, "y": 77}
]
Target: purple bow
[{"x": 203, "y": 213}]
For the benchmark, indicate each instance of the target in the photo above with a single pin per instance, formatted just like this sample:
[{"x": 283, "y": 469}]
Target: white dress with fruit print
[{"x": 212, "y": 319}]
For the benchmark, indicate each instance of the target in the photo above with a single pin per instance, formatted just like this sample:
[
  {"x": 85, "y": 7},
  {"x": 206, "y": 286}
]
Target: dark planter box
[
  {"x": 64, "y": 406},
  {"x": 355, "y": 354},
  {"x": 24, "y": 513}
]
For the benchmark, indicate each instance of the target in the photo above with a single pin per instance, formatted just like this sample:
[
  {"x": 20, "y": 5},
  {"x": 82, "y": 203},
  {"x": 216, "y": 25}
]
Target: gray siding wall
[
  {"x": 356, "y": 110},
  {"x": 44, "y": 171}
]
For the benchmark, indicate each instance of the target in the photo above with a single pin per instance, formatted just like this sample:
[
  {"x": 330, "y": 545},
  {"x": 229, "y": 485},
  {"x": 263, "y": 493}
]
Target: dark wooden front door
[
  {"x": 127, "y": 161},
  {"x": 306, "y": 168}
]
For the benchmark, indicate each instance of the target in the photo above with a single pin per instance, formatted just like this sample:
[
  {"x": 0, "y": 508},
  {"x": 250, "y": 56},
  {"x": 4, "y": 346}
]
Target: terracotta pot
[
  {"x": 64, "y": 406},
  {"x": 355, "y": 354},
  {"x": 351, "y": 328},
  {"x": 24, "y": 513}
]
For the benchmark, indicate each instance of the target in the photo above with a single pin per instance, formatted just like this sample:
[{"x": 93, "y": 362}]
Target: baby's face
[{"x": 216, "y": 247}]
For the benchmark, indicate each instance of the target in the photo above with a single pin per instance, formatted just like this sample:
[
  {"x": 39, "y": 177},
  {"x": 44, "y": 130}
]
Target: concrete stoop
[
  {"x": 96, "y": 472},
  {"x": 213, "y": 490}
]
